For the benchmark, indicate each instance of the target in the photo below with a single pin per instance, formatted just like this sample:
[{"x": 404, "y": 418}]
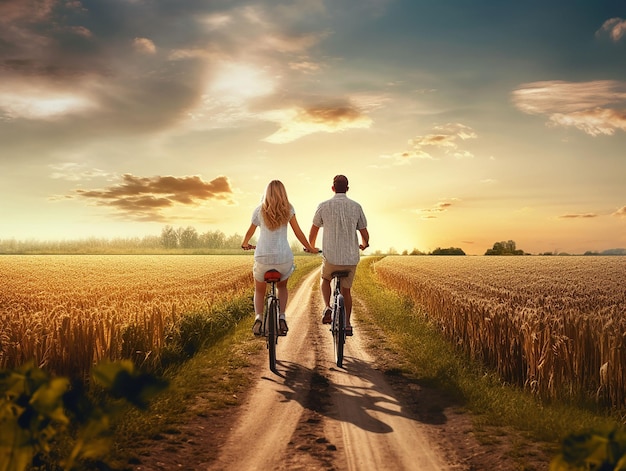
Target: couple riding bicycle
[{"x": 340, "y": 217}]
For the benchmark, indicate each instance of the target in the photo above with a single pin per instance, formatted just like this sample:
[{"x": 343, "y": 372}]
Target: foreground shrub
[{"x": 45, "y": 423}]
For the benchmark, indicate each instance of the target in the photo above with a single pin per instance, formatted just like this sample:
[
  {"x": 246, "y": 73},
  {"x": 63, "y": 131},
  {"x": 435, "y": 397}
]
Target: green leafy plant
[
  {"x": 592, "y": 451},
  {"x": 37, "y": 412}
]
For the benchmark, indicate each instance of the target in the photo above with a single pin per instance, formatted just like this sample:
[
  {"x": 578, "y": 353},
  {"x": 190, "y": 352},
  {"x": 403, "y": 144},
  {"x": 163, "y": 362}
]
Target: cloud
[
  {"x": 444, "y": 139},
  {"x": 621, "y": 212},
  {"x": 30, "y": 101},
  {"x": 299, "y": 122},
  {"x": 143, "y": 198},
  {"x": 99, "y": 72},
  {"x": 578, "y": 216},
  {"x": 594, "y": 121},
  {"x": 73, "y": 171},
  {"x": 144, "y": 45},
  {"x": 438, "y": 208},
  {"x": 615, "y": 28},
  {"x": 596, "y": 107}
]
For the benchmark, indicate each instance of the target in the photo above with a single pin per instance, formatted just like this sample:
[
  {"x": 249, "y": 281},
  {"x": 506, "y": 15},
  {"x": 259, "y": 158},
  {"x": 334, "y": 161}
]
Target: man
[{"x": 341, "y": 218}]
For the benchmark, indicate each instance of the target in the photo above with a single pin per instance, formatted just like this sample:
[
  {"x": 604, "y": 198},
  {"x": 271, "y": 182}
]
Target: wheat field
[
  {"x": 66, "y": 313},
  {"x": 553, "y": 325}
]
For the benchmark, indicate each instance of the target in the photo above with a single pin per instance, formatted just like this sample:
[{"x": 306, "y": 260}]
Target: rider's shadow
[{"x": 357, "y": 405}]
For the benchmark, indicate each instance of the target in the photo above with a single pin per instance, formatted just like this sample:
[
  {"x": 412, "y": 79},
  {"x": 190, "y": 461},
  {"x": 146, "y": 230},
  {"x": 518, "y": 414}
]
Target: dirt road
[{"x": 313, "y": 415}]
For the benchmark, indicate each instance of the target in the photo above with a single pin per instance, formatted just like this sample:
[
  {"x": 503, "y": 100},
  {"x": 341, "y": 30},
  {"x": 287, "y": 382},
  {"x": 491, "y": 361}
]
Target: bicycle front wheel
[
  {"x": 339, "y": 330},
  {"x": 272, "y": 330}
]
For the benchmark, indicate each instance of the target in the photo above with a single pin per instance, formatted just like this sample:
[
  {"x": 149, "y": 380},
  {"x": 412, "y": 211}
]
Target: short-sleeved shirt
[
  {"x": 341, "y": 218},
  {"x": 272, "y": 246}
]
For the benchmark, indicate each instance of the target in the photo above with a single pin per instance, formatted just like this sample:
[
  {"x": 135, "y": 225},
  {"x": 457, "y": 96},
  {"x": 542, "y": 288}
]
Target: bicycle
[
  {"x": 271, "y": 312},
  {"x": 338, "y": 324}
]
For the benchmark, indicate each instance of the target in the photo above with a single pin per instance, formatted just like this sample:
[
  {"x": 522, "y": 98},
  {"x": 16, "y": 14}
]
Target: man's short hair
[{"x": 340, "y": 183}]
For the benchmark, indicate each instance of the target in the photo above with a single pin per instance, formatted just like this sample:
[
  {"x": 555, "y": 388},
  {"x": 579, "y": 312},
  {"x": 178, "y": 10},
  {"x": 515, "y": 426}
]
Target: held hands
[
  {"x": 311, "y": 250},
  {"x": 248, "y": 247}
]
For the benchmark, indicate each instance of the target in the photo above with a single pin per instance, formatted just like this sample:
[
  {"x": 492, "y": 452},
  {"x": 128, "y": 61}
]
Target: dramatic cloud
[
  {"x": 298, "y": 122},
  {"x": 143, "y": 198},
  {"x": 443, "y": 140},
  {"x": 615, "y": 28},
  {"x": 95, "y": 71},
  {"x": 596, "y": 108}
]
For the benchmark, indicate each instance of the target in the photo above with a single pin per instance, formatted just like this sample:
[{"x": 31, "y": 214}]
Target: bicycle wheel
[
  {"x": 339, "y": 330},
  {"x": 272, "y": 330}
]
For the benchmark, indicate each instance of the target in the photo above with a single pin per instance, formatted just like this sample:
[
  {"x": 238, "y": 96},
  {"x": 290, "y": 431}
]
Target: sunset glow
[{"x": 458, "y": 123}]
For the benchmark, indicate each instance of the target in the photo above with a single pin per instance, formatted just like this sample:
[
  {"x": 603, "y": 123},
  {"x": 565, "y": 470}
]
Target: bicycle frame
[
  {"x": 271, "y": 312},
  {"x": 338, "y": 325}
]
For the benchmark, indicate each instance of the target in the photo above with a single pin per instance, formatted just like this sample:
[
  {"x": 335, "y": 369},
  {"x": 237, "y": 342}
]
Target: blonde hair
[{"x": 275, "y": 207}]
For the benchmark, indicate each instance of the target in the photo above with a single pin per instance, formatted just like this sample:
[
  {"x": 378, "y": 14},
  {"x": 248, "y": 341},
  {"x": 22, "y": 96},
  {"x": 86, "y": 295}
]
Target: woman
[{"x": 273, "y": 250}]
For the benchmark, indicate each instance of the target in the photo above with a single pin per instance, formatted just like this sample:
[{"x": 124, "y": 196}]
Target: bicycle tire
[
  {"x": 272, "y": 330},
  {"x": 339, "y": 329}
]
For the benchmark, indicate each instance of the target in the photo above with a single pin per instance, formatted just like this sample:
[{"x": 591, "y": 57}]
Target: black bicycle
[
  {"x": 271, "y": 311},
  {"x": 338, "y": 324}
]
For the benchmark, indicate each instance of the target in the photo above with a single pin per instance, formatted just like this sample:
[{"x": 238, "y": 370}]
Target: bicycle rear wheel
[
  {"x": 272, "y": 330},
  {"x": 339, "y": 330}
]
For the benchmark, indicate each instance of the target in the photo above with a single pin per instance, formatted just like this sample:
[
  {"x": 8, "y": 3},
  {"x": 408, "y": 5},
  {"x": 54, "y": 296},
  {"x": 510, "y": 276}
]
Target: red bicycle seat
[{"x": 272, "y": 276}]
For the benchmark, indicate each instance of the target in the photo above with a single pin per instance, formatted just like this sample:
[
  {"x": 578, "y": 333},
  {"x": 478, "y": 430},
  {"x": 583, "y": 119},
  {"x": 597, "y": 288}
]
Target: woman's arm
[
  {"x": 245, "y": 244},
  {"x": 300, "y": 235}
]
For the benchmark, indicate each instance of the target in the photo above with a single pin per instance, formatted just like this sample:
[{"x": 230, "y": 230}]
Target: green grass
[{"x": 426, "y": 356}]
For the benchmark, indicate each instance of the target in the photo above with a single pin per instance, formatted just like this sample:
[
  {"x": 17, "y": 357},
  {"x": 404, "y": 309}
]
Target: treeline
[
  {"x": 170, "y": 240},
  {"x": 189, "y": 238}
]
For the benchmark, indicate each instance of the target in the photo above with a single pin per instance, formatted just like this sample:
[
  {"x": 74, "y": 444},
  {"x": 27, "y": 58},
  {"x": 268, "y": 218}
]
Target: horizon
[
  {"x": 35, "y": 245},
  {"x": 457, "y": 124}
]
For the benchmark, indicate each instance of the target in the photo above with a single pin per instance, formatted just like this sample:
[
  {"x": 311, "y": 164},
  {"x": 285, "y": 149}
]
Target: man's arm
[
  {"x": 365, "y": 238},
  {"x": 313, "y": 234}
]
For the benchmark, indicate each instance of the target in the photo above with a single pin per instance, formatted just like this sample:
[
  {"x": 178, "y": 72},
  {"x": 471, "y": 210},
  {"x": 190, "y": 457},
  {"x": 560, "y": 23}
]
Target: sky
[{"x": 457, "y": 123}]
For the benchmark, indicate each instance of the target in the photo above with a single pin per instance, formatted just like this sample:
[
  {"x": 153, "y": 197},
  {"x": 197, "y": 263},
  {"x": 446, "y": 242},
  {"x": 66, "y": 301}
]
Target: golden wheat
[
  {"x": 555, "y": 325},
  {"x": 68, "y": 312}
]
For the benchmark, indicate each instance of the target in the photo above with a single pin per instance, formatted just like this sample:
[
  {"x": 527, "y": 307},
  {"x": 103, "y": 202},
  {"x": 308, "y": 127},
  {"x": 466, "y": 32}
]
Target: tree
[
  {"x": 169, "y": 238},
  {"x": 213, "y": 239},
  {"x": 233, "y": 241},
  {"x": 504, "y": 248},
  {"x": 188, "y": 238},
  {"x": 448, "y": 251}
]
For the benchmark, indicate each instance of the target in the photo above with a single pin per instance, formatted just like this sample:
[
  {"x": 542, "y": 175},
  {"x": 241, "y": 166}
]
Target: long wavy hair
[{"x": 275, "y": 208}]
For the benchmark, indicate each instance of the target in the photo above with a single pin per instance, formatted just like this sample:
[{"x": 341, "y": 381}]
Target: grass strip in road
[{"x": 425, "y": 355}]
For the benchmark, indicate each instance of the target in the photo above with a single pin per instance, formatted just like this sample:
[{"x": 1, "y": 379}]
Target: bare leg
[
  {"x": 325, "y": 289},
  {"x": 283, "y": 295},
  {"x": 347, "y": 301},
  {"x": 259, "y": 297}
]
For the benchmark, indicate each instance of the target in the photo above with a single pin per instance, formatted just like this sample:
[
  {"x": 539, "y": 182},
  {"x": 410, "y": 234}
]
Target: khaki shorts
[
  {"x": 285, "y": 269},
  {"x": 329, "y": 268}
]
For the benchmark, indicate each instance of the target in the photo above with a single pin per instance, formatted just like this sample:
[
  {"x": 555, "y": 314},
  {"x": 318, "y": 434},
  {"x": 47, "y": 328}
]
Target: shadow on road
[{"x": 365, "y": 398}]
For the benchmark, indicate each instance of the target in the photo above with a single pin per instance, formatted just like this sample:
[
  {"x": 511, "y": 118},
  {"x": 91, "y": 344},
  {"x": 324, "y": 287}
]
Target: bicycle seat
[
  {"x": 272, "y": 276},
  {"x": 340, "y": 274}
]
